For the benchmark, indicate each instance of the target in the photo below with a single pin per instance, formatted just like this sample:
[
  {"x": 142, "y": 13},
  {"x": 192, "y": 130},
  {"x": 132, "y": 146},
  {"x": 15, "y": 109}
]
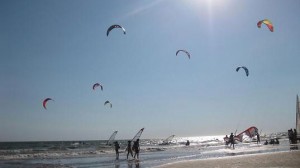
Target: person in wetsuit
[
  {"x": 231, "y": 140},
  {"x": 136, "y": 148},
  {"x": 129, "y": 150},
  {"x": 117, "y": 147}
]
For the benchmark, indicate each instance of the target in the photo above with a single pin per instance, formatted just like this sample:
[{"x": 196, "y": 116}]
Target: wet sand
[{"x": 282, "y": 159}]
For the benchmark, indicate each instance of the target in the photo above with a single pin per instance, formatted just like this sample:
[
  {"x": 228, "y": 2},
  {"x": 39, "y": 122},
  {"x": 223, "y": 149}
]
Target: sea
[{"x": 92, "y": 154}]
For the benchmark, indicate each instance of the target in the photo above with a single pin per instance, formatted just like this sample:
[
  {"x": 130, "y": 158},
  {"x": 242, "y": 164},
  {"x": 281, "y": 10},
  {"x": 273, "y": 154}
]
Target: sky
[{"x": 59, "y": 49}]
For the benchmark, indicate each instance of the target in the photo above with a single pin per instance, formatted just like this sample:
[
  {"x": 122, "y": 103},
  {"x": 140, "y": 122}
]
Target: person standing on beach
[
  {"x": 291, "y": 136},
  {"x": 136, "y": 148},
  {"x": 258, "y": 138},
  {"x": 295, "y": 135},
  {"x": 129, "y": 150},
  {"x": 117, "y": 147},
  {"x": 226, "y": 139},
  {"x": 231, "y": 140}
]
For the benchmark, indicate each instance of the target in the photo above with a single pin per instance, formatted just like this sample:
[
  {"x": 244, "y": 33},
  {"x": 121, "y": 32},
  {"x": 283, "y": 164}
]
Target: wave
[{"x": 9, "y": 155}]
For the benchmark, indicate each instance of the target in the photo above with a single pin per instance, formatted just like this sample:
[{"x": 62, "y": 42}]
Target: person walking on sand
[
  {"x": 117, "y": 147},
  {"x": 231, "y": 140},
  {"x": 136, "y": 148},
  {"x": 129, "y": 150}
]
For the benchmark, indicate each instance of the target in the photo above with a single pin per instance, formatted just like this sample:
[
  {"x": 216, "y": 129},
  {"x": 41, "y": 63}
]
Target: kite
[
  {"x": 115, "y": 26},
  {"x": 267, "y": 22},
  {"x": 250, "y": 132},
  {"x": 187, "y": 53},
  {"x": 45, "y": 102},
  {"x": 107, "y": 102},
  {"x": 97, "y": 85},
  {"x": 245, "y": 68}
]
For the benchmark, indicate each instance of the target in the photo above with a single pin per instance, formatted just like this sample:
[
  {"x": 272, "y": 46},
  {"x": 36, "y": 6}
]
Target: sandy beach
[{"x": 282, "y": 159}]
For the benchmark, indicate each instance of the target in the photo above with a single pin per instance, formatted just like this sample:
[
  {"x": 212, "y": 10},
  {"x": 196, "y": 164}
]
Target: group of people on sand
[
  {"x": 230, "y": 140},
  {"x": 130, "y": 149},
  {"x": 292, "y": 136}
]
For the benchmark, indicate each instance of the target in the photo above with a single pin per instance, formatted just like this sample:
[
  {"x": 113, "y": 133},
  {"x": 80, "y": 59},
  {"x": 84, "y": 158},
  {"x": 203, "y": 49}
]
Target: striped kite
[{"x": 266, "y": 22}]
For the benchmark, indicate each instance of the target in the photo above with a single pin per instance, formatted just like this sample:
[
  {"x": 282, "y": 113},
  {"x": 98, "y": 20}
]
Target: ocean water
[{"x": 84, "y": 154}]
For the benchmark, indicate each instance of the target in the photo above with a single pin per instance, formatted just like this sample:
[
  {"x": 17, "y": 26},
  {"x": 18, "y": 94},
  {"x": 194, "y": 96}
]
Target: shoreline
[{"x": 274, "y": 159}]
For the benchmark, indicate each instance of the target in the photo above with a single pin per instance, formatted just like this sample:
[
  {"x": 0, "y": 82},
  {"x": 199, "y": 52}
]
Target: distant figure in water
[
  {"x": 129, "y": 150},
  {"x": 117, "y": 147},
  {"x": 231, "y": 140},
  {"x": 266, "y": 143},
  {"x": 276, "y": 141},
  {"x": 136, "y": 148},
  {"x": 187, "y": 143},
  {"x": 258, "y": 138}
]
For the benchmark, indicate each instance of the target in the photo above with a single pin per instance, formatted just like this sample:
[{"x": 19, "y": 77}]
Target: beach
[
  {"x": 280, "y": 159},
  {"x": 203, "y": 151}
]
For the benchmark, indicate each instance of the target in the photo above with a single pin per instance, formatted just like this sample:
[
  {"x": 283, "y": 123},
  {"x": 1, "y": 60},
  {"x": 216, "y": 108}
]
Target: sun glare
[
  {"x": 210, "y": 4},
  {"x": 215, "y": 3},
  {"x": 209, "y": 7}
]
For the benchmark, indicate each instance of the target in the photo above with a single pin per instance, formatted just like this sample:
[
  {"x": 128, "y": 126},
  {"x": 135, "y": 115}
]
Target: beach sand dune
[{"x": 282, "y": 159}]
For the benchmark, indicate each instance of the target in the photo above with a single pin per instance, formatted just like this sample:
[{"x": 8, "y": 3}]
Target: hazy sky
[{"x": 59, "y": 49}]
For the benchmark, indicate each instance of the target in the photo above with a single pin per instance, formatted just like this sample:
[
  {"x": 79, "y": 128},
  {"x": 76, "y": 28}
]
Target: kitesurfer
[
  {"x": 129, "y": 150},
  {"x": 231, "y": 140},
  {"x": 117, "y": 147},
  {"x": 136, "y": 148},
  {"x": 266, "y": 143}
]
